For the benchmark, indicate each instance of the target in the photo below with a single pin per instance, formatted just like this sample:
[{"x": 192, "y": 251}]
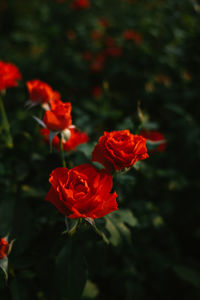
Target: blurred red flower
[
  {"x": 96, "y": 35},
  {"x": 104, "y": 22},
  {"x": 4, "y": 247},
  {"x": 98, "y": 63},
  {"x": 80, "y": 4},
  {"x": 130, "y": 34},
  {"x": 59, "y": 117},
  {"x": 96, "y": 91},
  {"x": 114, "y": 51},
  {"x": 41, "y": 92},
  {"x": 9, "y": 75},
  {"x": 155, "y": 136},
  {"x": 76, "y": 138},
  {"x": 82, "y": 192},
  {"x": 117, "y": 150}
]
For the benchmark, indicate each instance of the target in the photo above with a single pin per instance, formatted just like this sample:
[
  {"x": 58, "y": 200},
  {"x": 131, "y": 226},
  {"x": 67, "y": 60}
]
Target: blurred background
[{"x": 123, "y": 64}]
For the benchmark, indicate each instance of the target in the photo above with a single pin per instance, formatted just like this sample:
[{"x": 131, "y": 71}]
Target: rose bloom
[
  {"x": 4, "y": 246},
  {"x": 96, "y": 92},
  {"x": 82, "y": 192},
  {"x": 130, "y": 34},
  {"x": 114, "y": 51},
  {"x": 40, "y": 91},
  {"x": 117, "y": 150},
  {"x": 9, "y": 75},
  {"x": 103, "y": 22},
  {"x": 96, "y": 35},
  {"x": 155, "y": 136},
  {"x": 76, "y": 138},
  {"x": 80, "y": 4},
  {"x": 59, "y": 117},
  {"x": 98, "y": 63}
]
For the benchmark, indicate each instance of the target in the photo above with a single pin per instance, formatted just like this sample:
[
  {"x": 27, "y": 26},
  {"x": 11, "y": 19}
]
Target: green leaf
[
  {"x": 118, "y": 230},
  {"x": 6, "y": 214},
  {"x": 126, "y": 216},
  {"x": 71, "y": 225},
  {"x": 4, "y": 266},
  {"x": 97, "y": 229},
  {"x": 115, "y": 237},
  {"x": 90, "y": 290},
  {"x": 70, "y": 271},
  {"x": 18, "y": 290},
  {"x": 188, "y": 274},
  {"x": 152, "y": 145}
]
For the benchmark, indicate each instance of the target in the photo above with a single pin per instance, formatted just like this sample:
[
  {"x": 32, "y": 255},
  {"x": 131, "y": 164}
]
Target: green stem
[
  {"x": 5, "y": 124},
  {"x": 50, "y": 147},
  {"x": 62, "y": 153}
]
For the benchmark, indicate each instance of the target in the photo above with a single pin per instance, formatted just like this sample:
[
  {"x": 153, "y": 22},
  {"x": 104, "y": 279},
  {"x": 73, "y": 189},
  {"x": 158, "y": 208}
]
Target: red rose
[
  {"x": 76, "y": 138},
  {"x": 114, "y": 51},
  {"x": 40, "y": 91},
  {"x": 82, "y": 192},
  {"x": 96, "y": 35},
  {"x": 9, "y": 74},
  {"x": 155, "y": 136},
  {"x": 96, "y": 91},
  {"x": 4, "y": 246},
  {"x": 80, "y": 4},
  {"x": 130, "y": 34},
  {"x": 119, "y": 149},
  {"x": 104, "y": 22},
  {"x": 98, "y": 63},
  {"x": 59, "y": 117}
]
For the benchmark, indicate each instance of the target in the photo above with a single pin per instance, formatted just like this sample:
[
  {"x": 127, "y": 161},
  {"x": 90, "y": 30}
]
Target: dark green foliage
[{"x": 153, "y": 250}]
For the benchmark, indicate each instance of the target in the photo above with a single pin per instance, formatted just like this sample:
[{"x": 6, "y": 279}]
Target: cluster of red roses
[
  {"x": 97, "y": 61},
  {"x": 83, "y": 191},
  {"x": 57, "y": 117}
]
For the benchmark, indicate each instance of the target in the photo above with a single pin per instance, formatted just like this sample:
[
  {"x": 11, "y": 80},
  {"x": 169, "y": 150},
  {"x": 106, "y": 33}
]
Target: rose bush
[
  {"x": 82, "y": 192},
  {"x": 117, "y": 150}
]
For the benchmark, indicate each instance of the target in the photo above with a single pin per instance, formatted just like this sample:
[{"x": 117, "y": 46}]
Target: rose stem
[
  {"x": 5, "y": 123},
  {"x": 62, "y": 153},
  {"x": 50, "y": 146}
]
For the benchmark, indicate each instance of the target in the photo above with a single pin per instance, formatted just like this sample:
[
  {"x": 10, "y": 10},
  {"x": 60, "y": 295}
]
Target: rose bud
[
  {"x": 76, "y": 138},
  {"x": 41, "y": 92},
  {"x": 117, "y": 150},
  {"x": 155, "y": 136},
  {"x": 82, "y": 192},
  {"x": 4, "y": 247},
  {"x": 59, "y": 117},
  {"x": 9, "y": 75}
]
